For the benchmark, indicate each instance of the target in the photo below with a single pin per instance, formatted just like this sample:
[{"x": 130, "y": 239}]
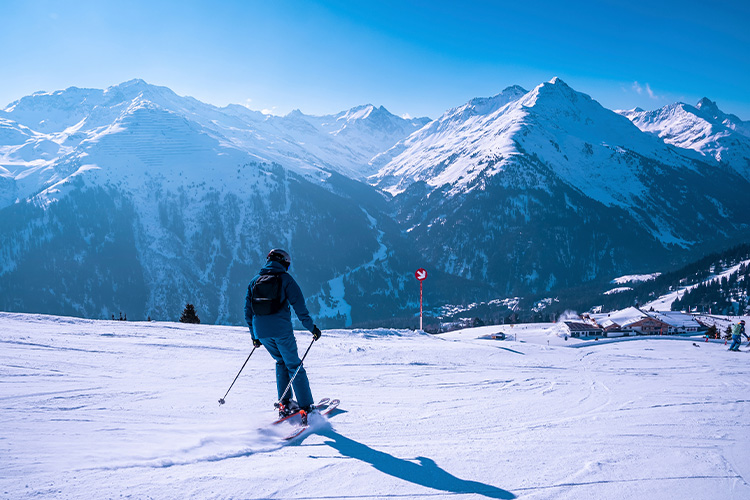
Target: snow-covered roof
[
  {"x": 621, "y": 318},
  {"x": 676, "y": 319},
  {"x": 632, "y": 315}
]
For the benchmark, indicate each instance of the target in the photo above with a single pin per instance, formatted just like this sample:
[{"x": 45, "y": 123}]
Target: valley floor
[{"x": 107, "y": 409}]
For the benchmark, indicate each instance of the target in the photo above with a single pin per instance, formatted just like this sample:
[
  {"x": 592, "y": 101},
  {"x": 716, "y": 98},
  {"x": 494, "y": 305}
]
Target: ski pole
[
  {"x": 278, "y": 403},
  {"x": 221, "y": 401}
]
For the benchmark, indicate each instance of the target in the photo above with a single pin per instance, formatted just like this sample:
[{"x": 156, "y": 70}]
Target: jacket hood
[{"x": 272, "y": 267}]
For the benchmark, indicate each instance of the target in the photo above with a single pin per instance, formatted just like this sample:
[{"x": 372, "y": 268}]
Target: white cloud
[
  {"x": 640, "y": 88},
  {"x": 268, "y": 111}
]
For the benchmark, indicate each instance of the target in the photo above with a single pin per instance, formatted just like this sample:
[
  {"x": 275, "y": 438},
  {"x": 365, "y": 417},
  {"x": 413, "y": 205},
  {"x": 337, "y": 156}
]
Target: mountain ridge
[{"x": 522, "y": 192}]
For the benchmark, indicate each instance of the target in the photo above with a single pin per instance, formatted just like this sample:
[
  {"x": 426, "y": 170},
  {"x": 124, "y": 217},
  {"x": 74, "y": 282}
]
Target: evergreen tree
[{"x": 189, "y": 316}]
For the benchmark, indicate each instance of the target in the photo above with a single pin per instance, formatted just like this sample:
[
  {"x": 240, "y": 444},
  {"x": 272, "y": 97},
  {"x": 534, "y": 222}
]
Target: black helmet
[{"x": 280, "y": 256}]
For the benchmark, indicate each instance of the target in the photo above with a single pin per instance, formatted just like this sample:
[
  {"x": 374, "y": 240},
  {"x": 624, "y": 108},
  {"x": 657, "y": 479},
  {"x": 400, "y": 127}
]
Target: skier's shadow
[{"x": 425, "y": 473}]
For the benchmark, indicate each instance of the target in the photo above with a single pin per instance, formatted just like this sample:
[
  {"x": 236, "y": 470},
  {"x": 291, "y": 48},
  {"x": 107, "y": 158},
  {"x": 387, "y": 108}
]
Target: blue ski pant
[
  {"x": 284, "y": 350},
  {"x": 736, "y": 342}
]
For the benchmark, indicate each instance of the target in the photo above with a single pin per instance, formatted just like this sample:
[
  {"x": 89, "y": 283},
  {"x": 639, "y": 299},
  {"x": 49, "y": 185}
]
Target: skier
[
  {"x": 269, "y": 317},
  {"x": 737, "y": 331}
]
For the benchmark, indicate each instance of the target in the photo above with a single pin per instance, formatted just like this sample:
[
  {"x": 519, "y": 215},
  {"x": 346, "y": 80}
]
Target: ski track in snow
[{"x": 103, "y": 409}]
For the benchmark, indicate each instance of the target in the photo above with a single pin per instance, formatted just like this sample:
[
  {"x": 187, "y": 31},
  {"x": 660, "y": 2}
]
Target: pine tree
[{"x": 189, "y": 316}]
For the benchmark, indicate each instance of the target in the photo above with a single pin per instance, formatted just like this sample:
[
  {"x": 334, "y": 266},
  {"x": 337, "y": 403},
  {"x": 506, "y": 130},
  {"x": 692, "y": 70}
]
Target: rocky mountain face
[{"x": 135, "y": 199}]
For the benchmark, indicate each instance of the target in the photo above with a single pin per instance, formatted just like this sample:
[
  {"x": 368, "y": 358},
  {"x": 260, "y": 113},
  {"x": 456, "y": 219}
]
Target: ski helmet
[{"x": 280, "y": 256}]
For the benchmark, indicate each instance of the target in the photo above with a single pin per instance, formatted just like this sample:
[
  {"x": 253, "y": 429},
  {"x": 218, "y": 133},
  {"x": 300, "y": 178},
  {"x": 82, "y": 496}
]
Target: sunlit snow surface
[{"x": 100, "y": 409}]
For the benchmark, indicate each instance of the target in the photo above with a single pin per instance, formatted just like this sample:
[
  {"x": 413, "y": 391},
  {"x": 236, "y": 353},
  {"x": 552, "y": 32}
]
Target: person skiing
[
  {"x": 737, "y": 331},
  {"x": 269, "y": 317}
]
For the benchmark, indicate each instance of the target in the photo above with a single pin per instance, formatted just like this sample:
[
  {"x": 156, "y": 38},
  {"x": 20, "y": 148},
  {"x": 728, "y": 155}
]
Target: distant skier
[
  {"x": 737, "y": 331},
  {"x": 269, "y": 317}
]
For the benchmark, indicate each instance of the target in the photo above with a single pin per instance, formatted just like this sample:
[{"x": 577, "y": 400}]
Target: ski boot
[
  {"x": 305, "y": 412},
  {"x": 286, "y": 408}
]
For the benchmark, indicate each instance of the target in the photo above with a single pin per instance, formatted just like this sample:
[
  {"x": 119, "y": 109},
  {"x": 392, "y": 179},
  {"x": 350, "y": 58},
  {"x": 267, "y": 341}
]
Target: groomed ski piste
[{"x": 108, "y": 409}]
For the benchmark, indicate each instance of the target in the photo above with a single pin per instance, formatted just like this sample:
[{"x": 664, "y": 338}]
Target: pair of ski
[{"x": 300, "y": 420}]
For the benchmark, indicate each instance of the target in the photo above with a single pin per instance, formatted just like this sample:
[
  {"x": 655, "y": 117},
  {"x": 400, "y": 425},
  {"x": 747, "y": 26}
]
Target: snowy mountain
[
  {"x": 447, "y": 144},
  {"x": 138, "y": 200},
  {"x": 703, "y": 128},
  {"x": 548, "y": 188},
  {"x": 60, "y": 121}
]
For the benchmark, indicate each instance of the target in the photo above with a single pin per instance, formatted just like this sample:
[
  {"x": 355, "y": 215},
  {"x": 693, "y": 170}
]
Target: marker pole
[{"x": 420, "y": 305}]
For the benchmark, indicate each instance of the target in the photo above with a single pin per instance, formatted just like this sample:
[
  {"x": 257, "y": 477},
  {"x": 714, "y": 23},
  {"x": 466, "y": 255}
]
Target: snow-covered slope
[
  {"x": 703, "y": 128},
  {"x": 103, "y": 409},
  {"x": 445, "y": 151}
]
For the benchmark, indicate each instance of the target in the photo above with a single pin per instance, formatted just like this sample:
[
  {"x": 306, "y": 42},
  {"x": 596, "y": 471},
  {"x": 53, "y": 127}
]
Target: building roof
[
  {"x": 632, "y": 315},
  {"x": 575, "y": 326},
  {"x": 621, "y": 318},
  {"x": 676, "y": 319}
]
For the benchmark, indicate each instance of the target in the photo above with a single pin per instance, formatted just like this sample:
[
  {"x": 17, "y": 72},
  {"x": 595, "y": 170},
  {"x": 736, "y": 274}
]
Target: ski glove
[
  {"x": 316, "y": 332},
  {"x": 256, "y": 343}
]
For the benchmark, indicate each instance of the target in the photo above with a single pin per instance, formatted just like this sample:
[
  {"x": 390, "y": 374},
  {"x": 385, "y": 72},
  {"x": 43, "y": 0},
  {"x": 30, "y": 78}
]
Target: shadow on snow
[{"x": 426, "y": 473}]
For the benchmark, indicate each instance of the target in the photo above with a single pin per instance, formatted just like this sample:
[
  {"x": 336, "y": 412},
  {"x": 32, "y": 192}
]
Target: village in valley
[{"x": 636, "y": 321}]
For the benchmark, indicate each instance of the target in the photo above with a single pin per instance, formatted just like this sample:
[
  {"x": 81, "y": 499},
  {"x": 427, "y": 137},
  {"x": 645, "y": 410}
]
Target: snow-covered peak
[
  {"x": 708, "y": 106},
  {"x": 557, "y": 95},
  {"x": 366, "y": 116},
  {"x": 703, "y": 128},
  {"x": 480, "y": 106},
  {"x": 138, "y": 88},
  {"x": 583, "y": 142},
  {"x": 359, "y": 113},
  {"x": 295, "y": 113},
  {"x": 53, "y": 111}
]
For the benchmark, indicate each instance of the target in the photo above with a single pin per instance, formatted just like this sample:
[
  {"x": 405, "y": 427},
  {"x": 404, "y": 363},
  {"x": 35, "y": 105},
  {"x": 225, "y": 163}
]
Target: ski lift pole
[
  {"x": 278, "y": 403},
  {"x": 221, "y": 401}
]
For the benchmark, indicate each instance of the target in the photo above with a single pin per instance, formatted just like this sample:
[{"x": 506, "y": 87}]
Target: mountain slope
[
  {"x": 450, "y": 141},
  {"x": 152, "y": 200}
]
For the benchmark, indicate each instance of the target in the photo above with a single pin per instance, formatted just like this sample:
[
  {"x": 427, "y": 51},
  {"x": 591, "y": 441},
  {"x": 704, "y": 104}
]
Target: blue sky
[{"x": 418, "y": 58}]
